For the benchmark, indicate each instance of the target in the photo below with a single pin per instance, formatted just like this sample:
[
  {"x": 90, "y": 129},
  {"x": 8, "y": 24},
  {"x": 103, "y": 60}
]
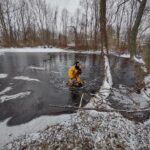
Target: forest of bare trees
[{"x": 96, "y": 24}]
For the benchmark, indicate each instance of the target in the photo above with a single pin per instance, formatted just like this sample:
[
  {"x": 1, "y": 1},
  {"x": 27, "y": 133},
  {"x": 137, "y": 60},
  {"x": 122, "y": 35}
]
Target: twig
[
  {"x": 118, "y": 7},
  {"x": 81, "y": 100}
]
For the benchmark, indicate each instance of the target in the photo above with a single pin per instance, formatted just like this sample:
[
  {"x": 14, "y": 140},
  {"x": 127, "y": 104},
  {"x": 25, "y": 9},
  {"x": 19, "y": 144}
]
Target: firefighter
[{"x": 74, "y": 73}]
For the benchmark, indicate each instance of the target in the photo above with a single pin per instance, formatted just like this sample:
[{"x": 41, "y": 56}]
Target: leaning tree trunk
[
  {"x": 134, "y": 30},
  {"x": 103, "y": 32}
]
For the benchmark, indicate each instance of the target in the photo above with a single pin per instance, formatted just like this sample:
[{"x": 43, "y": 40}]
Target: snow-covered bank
[
  {"x": 10, "y": 133},
  {"x": 102, "y": 131},
  {"x": 31, "y": 50},
  {"x": 127, "y": 55},
  {"x": 3, "y": 75},
  {"x": 45, "y": 50},
  {"x": 25, "y": 78}
]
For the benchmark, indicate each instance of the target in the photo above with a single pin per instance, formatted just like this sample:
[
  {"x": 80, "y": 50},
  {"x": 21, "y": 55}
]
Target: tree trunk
[
  {"x": 134, "y": 30},
  {"x": 103, "y": 32}
]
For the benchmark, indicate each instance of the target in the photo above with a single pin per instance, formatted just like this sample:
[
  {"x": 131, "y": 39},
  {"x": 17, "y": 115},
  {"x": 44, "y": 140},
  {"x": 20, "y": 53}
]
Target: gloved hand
[
  {"x": 79, "y": 71},
  {"x": 73, "y": 81}
]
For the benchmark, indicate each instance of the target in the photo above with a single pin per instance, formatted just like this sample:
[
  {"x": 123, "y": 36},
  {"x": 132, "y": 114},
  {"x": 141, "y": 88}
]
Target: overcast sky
[{"x": 71, "y": 5}]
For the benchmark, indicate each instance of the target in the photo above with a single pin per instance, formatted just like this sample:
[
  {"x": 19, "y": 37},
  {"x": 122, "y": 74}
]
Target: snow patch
[
  {"x": 15, "y": 96},
  {"x": 3, "y": 75},
  {"x": 25, "y": 78},
  {"x": 55, "y": 72},
  {"x": 90, "y": 52},
  {"x": 125, "y": 55},
  {"x": 7, "y": 89},
  {"x": 36, "y": 68},
  {"x": 139, "y": 60}
]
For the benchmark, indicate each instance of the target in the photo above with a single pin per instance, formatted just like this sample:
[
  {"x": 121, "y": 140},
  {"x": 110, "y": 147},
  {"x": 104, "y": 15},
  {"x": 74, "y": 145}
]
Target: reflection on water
[{"x": 52, "y": 88}]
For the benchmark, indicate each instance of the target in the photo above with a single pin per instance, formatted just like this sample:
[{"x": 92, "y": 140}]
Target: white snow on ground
[
  {"x": 25, "y": 78},
  {"x": 9, "y": 133},
  {"x": 36, "y": 68},
  {"x": 3, "y": 75},
  {"x": 7, "y": 89},
  {"x": 129, "y": 99},
  {"x": 5, "y": 98},
  {"x": 32, "y": 50}
]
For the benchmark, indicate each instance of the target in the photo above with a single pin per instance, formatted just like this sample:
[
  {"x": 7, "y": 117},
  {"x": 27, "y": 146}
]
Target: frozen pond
[{"x": 31, "y": 82}]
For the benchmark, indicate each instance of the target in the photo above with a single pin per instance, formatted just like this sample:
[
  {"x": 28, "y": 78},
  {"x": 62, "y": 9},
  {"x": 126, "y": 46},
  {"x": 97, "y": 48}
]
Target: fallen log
[{"x": 99, "y": 109}]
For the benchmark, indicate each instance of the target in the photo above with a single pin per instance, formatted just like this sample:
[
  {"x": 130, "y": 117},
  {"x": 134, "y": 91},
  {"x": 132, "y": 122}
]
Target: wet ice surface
[
  {"x": 125, "y": 75},
  {"x": 36, "y": 81}
]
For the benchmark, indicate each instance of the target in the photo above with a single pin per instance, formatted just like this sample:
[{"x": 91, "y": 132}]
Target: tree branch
[
  {"x": 139, "y": 1},
  {"x": 118, "y": 7},
  {"x": 15, "y": 9}
]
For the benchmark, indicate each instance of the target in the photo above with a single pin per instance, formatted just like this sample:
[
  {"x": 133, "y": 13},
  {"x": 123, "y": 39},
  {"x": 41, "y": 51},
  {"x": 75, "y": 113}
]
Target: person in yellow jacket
[{"x": 73, "y": 73}]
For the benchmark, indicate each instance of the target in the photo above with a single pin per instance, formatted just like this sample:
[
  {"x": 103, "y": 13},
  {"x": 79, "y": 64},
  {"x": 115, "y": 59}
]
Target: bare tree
[
  {"x": 103, "y": 31},
  {"x": 64, "y": 20},
  {"x": 134, "y": 30}
]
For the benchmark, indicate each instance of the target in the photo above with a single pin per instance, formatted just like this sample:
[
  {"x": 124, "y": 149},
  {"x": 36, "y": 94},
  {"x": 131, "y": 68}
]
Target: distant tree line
[{"x": 96, "y": 24}]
